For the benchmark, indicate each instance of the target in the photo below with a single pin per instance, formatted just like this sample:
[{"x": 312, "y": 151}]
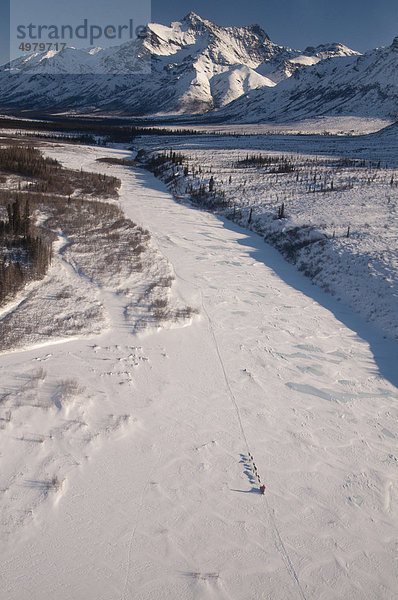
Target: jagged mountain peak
[
  {"x": 259, "y": 31},
  {"x": 330, "y": 49},
  {"x": 196, "y": 66},
  {"x": 192, "y": 19}
]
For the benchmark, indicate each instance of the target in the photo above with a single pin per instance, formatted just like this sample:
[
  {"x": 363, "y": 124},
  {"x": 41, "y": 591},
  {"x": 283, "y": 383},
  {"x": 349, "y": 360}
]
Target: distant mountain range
[{"x": 233, "y": 73}]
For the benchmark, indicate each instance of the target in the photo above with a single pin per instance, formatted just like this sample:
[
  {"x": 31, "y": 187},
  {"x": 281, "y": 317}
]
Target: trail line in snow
[
  {"x": 225, "y": 375},
  {"x": 282, "y": 548},
  {"x": 283, "y": 551},
  {"x": 132, "y": 535}
]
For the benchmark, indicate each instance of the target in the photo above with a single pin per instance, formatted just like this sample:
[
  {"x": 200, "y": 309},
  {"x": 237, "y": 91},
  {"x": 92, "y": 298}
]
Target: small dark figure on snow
[{"x": 262, "y": 489}]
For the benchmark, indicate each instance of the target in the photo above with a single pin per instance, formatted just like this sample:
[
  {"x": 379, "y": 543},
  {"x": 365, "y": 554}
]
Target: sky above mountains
[{"x": 360, "y": 24}]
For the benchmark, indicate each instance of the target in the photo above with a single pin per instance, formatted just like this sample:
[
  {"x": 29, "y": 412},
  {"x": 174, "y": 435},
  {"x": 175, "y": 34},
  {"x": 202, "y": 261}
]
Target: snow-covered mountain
[
  {"x": 365, "y": 85},
  {"x": 196, "y": 66},
  {"x": 387, "y": 134}
]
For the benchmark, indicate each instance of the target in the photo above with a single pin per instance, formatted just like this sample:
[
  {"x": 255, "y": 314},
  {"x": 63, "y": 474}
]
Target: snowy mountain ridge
[
  {"x": 196, "y": 66},
  {"x": 364, "y": 85}
]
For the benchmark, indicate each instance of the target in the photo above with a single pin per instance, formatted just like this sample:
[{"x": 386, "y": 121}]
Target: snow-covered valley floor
[{"x": 125, "y": 459}]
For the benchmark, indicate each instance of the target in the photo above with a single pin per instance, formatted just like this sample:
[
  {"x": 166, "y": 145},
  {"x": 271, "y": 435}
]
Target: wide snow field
[
  {"x": 125, "y": 458},
  {"x": 315, "y": 125}
]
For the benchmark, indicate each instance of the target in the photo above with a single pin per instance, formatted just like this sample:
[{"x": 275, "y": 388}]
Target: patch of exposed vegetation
[{"x": 44, "y": 189}]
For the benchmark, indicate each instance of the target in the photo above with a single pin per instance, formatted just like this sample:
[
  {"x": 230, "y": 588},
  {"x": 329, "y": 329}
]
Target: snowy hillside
[
  {"x": 365, "y": 85},
  {"x": 388, "y": 135},
  {"x": 195, "y": 66}
]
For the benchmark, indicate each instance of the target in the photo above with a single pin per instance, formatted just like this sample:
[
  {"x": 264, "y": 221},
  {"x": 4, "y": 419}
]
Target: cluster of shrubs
[
  {"x": 171, "y": 165},
  {"x": 48, "y": 176},
  {"x": 25, "y": 249},
  {"x": 26, "y": 161},
  {"x": 275, "y": 164},
  {"x": 158, "y": 162}
]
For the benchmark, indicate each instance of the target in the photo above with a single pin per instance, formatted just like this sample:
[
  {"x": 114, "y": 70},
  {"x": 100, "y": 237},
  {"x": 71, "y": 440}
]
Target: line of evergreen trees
[
  {"x": 280, "y": 164},
  {"x": 27, "y": 161},
  {"x": 23, "y": 255},
  {"x": 113, "y": 132}
]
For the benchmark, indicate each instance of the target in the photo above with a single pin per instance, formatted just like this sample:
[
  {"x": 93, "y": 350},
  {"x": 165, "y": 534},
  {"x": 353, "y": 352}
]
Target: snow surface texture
[
  {"x": 125, "y": 465},
  {"x": 195, "y": 66},
  {"x": 340, "y": 226}
]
